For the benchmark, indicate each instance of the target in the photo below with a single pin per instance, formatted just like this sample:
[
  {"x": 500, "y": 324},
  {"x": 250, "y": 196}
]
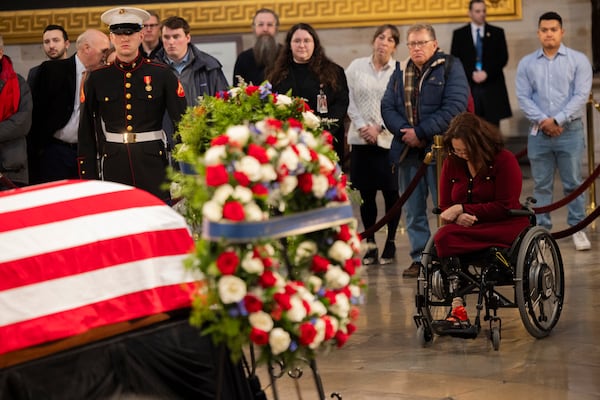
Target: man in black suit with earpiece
[{"x": 482, "y": 49}]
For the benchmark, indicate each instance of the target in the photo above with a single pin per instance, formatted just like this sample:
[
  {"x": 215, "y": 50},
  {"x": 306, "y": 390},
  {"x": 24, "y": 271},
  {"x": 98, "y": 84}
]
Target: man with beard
[
  {"x": 251, "y": 63},
  {"x": 56, "y": 44}
]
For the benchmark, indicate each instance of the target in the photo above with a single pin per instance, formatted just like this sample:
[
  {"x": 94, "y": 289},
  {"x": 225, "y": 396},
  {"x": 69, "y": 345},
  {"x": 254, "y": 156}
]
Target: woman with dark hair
[
  {"x": 479, "y": 183},
  {"x": 303, "y": 67},
  {"x": 370, "y": 142}
]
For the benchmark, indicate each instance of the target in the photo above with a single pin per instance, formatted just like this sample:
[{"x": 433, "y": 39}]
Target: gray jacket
[{"x": 13, "y": 133}]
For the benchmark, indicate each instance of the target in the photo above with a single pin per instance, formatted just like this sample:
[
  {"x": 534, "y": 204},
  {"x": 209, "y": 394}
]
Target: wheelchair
[{"x": 529, "y": 276}]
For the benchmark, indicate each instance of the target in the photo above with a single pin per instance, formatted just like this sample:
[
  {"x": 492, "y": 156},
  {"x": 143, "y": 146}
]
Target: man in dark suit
[
  {"x": 484, "y": 72},
  {"x": 56, "y": 100}
]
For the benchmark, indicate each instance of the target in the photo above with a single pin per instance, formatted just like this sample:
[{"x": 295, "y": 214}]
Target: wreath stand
[{"x": 277, "y": 228}]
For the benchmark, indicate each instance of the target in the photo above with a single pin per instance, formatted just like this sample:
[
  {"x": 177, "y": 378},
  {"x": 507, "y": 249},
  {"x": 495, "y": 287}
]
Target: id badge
[
  {"x": 534, "y": 130},
  {"x": 322, "y": 103}
]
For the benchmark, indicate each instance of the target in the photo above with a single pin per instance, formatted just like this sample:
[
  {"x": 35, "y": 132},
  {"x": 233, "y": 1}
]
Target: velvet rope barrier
[
  {"x": 577, "y": 227},
  {"x": 571, "y": 196},
  {"x": 397, "y": 208}
]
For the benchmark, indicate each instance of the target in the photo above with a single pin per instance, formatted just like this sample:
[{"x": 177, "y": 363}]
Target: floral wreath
[{"x": 261, "y": 157}]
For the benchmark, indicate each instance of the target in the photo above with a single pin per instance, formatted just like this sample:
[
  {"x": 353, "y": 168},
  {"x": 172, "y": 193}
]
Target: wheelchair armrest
[{"x": 521, "y": 213}]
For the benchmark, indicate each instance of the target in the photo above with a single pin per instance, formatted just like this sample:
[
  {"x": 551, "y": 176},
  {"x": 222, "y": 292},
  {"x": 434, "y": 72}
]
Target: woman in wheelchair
[{"x": 480, "y": 186}]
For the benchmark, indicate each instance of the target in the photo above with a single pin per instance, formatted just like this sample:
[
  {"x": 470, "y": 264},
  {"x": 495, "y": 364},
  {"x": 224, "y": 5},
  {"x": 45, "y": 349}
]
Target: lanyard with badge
[{"x": 321, "y": 101}]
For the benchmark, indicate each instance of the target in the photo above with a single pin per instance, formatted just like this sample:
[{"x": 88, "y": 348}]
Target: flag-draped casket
[{"x": 77, "y": 255}]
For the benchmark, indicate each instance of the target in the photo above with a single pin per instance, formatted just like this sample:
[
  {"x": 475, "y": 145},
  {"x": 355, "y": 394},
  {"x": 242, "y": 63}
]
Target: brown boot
[{"x": 412, "y": 271}]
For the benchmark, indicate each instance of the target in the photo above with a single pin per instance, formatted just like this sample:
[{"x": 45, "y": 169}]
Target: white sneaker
[{"x": 581, "y": 241}]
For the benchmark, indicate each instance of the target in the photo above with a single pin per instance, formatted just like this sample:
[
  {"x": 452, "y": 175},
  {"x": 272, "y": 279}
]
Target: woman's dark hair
[
  {"x": 482, "y": 139},
  {"x": 394, "y": 31},
  {"x": 321, "y": 66}
]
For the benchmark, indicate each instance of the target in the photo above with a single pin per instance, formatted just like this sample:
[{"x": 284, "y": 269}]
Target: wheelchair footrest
[{"x": 463, "y": 329}]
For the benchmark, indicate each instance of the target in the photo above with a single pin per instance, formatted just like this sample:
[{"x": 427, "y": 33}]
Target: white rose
[
  {"x": 252, "y": 265},
  {"x": 222, "y": 193},
  {"x": 306, "y": 249},
  {"x": 320, "y": 184},
  {"x": 267, "y": 173},
  {"x": 215, "y": 155},
  {"x": 318, "y": 308},
  {"x": 303, "y": 152},
  {"x": 249, "y": 166},
  {"x": 308, "y": 139},
  {"x": 279, "y": 341},
  {"x": 315, "y": 283},
  {"x": 283, "y": 101},
  {"x": 340, "y": 251},
  {"x": 233, "y": 92},
  {"x": 253, "y": 212},
  {"x": 341, "y": 308},
  {"x": 243, "y": 194},
  {"x": 238, "y": 134},
  {"x": 292, "y": 135},
  {"x": 231, "y": 289},
  {"x": 297, "y": 313},
  {"x": 213, "y": 211},
  {"x": 311, "y": 120},
  {"x": 336, "y": 277},
  {"x": 325, "y": 164},
  {"x": 288, "y": 184},
  {"x": 320, "y": 328},
  {"x": 261, "y": 320},
  {"x": 272, "y": 152},
  {"x": 288, "y": 158}
]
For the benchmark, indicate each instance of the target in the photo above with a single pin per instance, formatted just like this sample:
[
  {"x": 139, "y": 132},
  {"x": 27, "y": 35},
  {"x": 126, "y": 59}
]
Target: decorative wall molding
[{"x": 233, "y": 16}]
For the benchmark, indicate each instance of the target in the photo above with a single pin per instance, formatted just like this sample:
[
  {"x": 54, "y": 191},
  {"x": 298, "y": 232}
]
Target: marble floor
[{"x": 384, "y": 360}]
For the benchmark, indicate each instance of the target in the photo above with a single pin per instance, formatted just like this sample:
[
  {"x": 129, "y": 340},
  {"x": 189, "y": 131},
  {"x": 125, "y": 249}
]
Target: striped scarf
[{"x": 412, "y": 92}]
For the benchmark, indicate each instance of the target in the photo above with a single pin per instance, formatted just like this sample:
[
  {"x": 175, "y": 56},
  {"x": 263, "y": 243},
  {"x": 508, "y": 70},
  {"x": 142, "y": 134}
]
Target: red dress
[{"x": 489, "y": 195}]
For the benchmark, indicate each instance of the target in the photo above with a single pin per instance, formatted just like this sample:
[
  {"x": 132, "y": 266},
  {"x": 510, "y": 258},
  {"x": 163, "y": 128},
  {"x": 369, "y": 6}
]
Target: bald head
[{"x": 92, "y": 46}]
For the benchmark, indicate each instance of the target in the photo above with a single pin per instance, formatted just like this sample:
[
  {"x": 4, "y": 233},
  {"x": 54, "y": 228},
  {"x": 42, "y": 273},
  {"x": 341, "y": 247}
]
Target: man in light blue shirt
[{"x": 553, "y": 85}]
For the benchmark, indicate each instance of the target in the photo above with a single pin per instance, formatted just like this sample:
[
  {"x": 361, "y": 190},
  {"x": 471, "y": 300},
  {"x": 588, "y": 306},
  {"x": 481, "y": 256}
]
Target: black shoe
[
  {"x": 389, "y": 253},
  {"x": 372, "y": 255},
  {"x": 412, "y": 271}
]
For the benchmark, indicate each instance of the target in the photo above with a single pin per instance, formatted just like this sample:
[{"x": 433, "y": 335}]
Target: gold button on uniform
[
  {"x": 128, "y": 75},
  {"x": 128, "y": 95},
  {"x": 128, "y": 85},
  {"x": 129, "y": 128},
  {"x": 128, "y": 106},
  {"x": 129, "y": 117}
]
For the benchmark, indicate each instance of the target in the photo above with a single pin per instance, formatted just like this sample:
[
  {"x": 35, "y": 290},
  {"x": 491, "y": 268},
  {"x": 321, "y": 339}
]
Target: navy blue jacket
[{"x": 440, "y": 99}]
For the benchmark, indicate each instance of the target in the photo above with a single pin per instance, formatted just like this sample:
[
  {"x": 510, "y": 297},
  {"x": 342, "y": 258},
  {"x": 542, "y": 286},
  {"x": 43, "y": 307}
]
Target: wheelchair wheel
[
  {"x": 539, "y": 283},
  {"x": 495, "y": 337}
]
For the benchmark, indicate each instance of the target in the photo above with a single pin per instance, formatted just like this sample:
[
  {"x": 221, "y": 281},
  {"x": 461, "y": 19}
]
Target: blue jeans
[
  {"x": 564, "y": 152},
  {"x": 415, "y": 208}
]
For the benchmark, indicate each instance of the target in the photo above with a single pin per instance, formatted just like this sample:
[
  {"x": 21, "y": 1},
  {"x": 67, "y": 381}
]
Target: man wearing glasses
[
  {"x": 122, "y": 111},
  {"x": 420, "y": 100},
  {"x": 151, "y": 42}
]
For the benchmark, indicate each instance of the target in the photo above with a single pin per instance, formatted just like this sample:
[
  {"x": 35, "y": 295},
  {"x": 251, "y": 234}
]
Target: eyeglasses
[
  {"x": 420, "y": 43},
  {"x": 298, "y": 42},
  {"x": 150, "y": 26}
]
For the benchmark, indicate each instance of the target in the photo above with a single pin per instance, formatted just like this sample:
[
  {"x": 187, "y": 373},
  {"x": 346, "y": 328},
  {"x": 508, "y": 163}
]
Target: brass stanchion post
[
  {"x": 591, "y": 156},
  {"x": 437, "y": 149}
]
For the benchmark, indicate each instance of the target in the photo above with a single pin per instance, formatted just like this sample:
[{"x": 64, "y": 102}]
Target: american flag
[{"x": 75, "y": 255}]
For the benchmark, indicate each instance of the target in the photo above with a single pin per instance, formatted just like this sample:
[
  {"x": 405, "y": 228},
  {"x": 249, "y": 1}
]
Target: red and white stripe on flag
[{"x": 75, "y": 255}]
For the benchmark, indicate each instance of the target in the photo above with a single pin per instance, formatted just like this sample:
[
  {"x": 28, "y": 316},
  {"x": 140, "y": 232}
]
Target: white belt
[{"x": 134, "y": 137}]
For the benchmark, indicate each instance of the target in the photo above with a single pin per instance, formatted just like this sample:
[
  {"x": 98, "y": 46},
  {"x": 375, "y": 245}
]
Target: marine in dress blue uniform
[{"x": 123, "y": 104}]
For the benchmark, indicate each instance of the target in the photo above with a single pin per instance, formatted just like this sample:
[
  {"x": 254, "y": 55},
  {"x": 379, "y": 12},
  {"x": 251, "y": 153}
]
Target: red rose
[
  {"x": 274, "y": 123},
  {"x": 328, "y": 137},
  {"x": 276, "y": 312},
  {"x": 252, "y": 303},
  {"x": 306, "y": 307},
  {"x": 233, "y": 211},
  {"x": 344, "y": 233},
  {"x": 222, "y": 94},
  {"x": 313, "y": 155},
  {"x": 283, "y": 299},
  {"x": 330, "y": 295},
  {"x": 341, "y": 338},
  {"x": 259, "y": 337},
  {"x": 305, "y": 183},
  {"x": 216, "y": 175},
  {"x": 354, "y": 313},
  {"x": 319, "y": 264},
  {"x": 329, "y": 330},
  {"x": 241, "y": 178},
  {"x": 219, "y": 140},
  {"x": 258, "y": 152},
  {"x": 267, "y": 279},
  {"x": 227, "y": 262},
  {"x": 289, "y": 289},
  {"x": 349, "y": 267},
  {"x": 271, "y": 140},
  {"x": 260, "y": 190},
  {"x": 307, "y": 334},
  {"x": 294, "y": 123},
  {"x": 351, "y": 328},
  {"x": 267, "y": 262},
  {"x": 251, "y": 89}
]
